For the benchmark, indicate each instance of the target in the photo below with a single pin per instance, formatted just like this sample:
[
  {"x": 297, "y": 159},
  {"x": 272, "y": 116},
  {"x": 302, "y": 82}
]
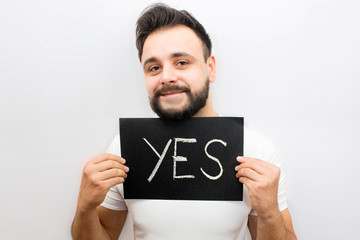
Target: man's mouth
[{"x": 171, "y": 93}]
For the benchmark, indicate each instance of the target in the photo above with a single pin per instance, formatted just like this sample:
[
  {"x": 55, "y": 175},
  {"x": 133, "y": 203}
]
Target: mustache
[{"x": 165, "y": 89}]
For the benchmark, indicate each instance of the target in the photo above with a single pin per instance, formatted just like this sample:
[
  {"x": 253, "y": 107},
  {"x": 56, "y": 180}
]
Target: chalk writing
[
  {"x": 160, "y": 157},
  {"x": 181, "y": 158},
  {"x": 177, "y": 158},
  {"x": 215, "y": 159}
]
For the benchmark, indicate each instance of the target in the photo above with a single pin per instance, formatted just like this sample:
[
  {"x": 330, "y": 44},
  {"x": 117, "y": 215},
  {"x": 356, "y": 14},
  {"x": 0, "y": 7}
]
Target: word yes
[{"x": 177, "y": 158}]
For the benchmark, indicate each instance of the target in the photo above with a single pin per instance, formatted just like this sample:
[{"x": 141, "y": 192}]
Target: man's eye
[
  {"x": 154, "y": 68},
  {"x": 181, "y": 63}
]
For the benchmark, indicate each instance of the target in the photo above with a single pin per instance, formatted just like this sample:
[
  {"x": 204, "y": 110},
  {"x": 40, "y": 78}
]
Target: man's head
[
  {"x": 160, "y": 17},
  {"x": 177, "y": 62}
]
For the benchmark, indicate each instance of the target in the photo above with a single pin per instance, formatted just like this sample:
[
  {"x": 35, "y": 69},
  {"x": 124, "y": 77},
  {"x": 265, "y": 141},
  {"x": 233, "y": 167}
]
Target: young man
[{"x": 175, "y": 52}]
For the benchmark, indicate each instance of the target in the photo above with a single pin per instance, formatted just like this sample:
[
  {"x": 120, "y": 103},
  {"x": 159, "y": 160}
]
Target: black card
[{"x": 193, "y": 159}]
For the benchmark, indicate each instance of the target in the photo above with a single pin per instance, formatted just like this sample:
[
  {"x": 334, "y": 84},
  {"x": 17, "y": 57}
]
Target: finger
[
  {"x": 109, "y": 164},
  {"x": 244, "y": 180},
  {"x": 112, "y": 173},
  {"x": 246, "y": 162},
  {"x": 240, "y": 159},
  {"x": 107, "y": 156},
  {"x": 114, "y": 181},
  {"x": 248, "y": 173},
  {"x": 257, "y": 165}
]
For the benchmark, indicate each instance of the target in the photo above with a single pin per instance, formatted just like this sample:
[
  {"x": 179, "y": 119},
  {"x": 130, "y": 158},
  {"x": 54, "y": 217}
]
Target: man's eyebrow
[{"x": 152, "y": 59}]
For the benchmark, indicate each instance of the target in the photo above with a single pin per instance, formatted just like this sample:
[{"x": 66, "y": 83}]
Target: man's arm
[
  {"x": 101, "y": 223},
  {"x": 113, "y": 221},
  {"x": 91, "y": 220},
  {"x": 262, "y": 180},
  {"x": 281, "y": 226}
]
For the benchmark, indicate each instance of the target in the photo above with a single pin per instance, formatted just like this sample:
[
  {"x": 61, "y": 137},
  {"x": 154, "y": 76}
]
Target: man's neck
[{"x": 206, "y": 113}]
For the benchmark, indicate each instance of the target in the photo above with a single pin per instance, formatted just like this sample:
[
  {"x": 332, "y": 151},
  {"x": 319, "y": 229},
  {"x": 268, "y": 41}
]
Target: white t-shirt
[{"x": 179, "y": 219}]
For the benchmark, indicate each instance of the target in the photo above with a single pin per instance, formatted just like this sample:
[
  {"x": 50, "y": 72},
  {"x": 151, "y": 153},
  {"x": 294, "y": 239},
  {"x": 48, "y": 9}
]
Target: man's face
[{"x": 176, "y": 74}]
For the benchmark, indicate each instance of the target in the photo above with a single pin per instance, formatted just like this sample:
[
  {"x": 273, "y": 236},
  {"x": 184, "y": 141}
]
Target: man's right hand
[{"x": 99, "y": 175}]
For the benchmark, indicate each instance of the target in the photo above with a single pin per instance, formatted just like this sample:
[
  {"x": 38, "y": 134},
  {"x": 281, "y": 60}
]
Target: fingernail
[
  {"x": 126, "y": 168},
  {"x": 237, "y": 168},
  {"x": 239, "y": 158}
]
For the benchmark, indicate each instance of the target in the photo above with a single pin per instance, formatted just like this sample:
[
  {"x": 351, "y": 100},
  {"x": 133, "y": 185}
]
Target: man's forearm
[
  {"x": 87, "y": 225},
  {"x": 273, "y": 228}
]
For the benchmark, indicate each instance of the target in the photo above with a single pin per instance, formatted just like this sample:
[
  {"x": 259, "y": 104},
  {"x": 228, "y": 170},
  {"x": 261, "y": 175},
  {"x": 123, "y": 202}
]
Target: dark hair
[{"x": 160, "y": 16}]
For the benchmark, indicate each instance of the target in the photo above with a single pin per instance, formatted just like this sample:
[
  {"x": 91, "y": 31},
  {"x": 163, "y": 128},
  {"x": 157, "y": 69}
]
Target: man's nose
[{"x": 168, "y": 75}]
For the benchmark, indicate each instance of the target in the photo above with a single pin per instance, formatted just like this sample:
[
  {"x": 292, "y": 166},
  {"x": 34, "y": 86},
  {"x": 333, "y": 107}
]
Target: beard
[{"x": 196, "y": 101}]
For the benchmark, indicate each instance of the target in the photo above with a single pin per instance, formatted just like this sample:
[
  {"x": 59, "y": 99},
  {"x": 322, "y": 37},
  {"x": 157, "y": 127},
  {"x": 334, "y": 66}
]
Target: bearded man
[{"x": 175, "y": 52}]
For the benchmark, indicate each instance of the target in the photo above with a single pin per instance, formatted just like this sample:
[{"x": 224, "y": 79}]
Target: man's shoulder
[
  {"x": 253, "y": 136},
  {"x": 257, "y": 146}
]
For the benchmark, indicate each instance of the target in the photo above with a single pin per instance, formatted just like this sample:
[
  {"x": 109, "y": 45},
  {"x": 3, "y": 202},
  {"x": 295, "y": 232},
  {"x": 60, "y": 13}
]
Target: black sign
[{"x": 193, "y": 159}]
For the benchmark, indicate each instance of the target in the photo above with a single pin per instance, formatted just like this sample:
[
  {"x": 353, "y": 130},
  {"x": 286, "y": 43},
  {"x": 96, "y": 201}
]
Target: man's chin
[{"x": 173, "y": 114}]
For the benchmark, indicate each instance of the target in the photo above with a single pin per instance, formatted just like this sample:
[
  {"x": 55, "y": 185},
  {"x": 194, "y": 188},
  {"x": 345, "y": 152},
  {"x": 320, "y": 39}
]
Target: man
[{"x": 175, "y": 52}]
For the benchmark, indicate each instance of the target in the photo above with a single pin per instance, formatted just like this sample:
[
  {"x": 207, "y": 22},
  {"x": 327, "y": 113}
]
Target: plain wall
[{"x": 69, "y": 70}]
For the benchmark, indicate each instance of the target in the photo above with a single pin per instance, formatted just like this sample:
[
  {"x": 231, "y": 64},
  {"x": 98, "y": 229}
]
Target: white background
[{"x": 69, "y": 70}]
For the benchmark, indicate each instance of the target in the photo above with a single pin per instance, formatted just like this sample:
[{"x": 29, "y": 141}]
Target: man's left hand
[{"x": 262, "y": 180}]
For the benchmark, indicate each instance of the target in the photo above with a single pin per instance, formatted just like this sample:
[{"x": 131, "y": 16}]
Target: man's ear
[{"x": 211, "y": 64}]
